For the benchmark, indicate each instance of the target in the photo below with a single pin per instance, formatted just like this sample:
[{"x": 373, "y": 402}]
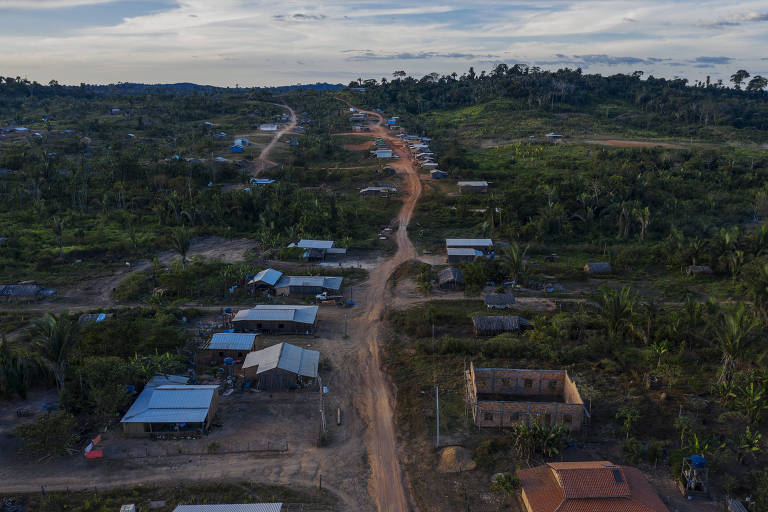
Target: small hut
[
  {"x": 492, "y": 325},
  {"x": 598, "y": 268},
  {"x": 695, "y": 270},
  {"x": 499, "y": 300},
  {"x": 450, "y": 278}
]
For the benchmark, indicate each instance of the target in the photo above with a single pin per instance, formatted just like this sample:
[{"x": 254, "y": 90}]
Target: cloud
[
  {"x": 738, "y": 19},
  {"x": 711, "y": 60},
  {"x": 300, "y": 16},
  {"x": 48, "y": 4},
  {"x": 370, "y": 55},
  {"x": 608, "y": 60}
]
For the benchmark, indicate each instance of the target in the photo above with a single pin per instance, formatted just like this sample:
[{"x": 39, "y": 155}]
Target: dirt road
[
  {"x": 263, "y": 161},
  {"x": 388, "y": 485}
]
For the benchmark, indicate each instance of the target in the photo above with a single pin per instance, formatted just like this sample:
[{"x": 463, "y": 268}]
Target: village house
[
  {"x": 484, "y": 245},
  {"x": 501, "y": 397},
  {"x": 382, "y": 153},
  {"x": 261, "y": 182},
  {"x": 499, "y": 300},
  {"x": 267, "y": 278},
  {"x": 277, "y": 319},
  {"x": 229, "y": 344},
  {"x": 172, "y": 409},
  {"x": 450, "y": 278},
  {"x": 437, "y": 174},
  {"x": 282, "y": 367},
  {"x": 314, "y": 249},
  {"x": 307, "y": 286},
  {"x": 493, "y": 325},
  {"x": 473, "y": 187},
  {"x": 696, "y": 270},
  {"x": 458, "y": 255},
  {"x": 587, "y": 486},
  {"x": 384, "y": 191},
  {"x": 553, "y": 137},
  {"x": 597, "y": 268},
  {"x": 268, "y": 127}
]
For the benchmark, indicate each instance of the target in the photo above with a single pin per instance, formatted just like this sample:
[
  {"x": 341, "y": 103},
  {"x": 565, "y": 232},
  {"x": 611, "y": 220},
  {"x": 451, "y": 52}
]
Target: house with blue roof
[{"x": 171, "y": 409}]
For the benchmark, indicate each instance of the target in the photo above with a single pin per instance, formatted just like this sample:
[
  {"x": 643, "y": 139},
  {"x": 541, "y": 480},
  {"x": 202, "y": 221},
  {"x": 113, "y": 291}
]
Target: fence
[{"x": 170, "y": 448}]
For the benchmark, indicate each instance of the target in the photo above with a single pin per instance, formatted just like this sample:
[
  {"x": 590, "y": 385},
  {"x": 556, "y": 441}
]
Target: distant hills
[{"x": 138, "y": 88}]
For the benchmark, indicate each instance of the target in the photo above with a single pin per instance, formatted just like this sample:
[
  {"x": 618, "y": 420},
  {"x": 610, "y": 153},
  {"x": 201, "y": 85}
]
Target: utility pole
[{"x": 437, "y": 417}]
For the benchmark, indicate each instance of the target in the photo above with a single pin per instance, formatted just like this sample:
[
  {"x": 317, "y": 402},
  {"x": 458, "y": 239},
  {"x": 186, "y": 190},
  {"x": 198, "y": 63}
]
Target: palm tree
[
  {"x": 513, "y": 261},
  {"x": 57, "y": 224},
  {"x": 181, "y": 238},
  {"x": 733, "y": 335},
  {"x": 644, "y": 218},
  {"x": 54, "y": 337},
  {"x": 615, "y": 309}
]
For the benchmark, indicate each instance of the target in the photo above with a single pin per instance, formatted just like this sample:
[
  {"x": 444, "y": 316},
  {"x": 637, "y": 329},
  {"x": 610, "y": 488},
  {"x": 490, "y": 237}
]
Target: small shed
[
  {"x": 384, "y": 191},
  {"x": 698, "y": 270},
  {"x": 499, "y": 300},
  {"x": 492, "y": 325},
  {"x": 473, "y": 186},
  {"x": 450, "y": 278},
  {"x": 601, "y": 267},
  {"x": 383, "y": 153},
  {"x": 268, "y": 127},
  {"x": 282, "y": 367}
]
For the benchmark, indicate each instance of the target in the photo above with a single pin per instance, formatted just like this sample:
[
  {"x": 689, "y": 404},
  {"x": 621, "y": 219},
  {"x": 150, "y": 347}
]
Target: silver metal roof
[
  {"x": 315, "y": 244},
  {"x": 299, "y": 314},
  {"x": 473, "y": 183},
  {"x": 463, "y": 251},
  {"x": 468, "y": 242},
  {"x": 234, "y": 507},
  {"x": 171, "y": 404},
  {"x": 286, "y": 357},
  {"x": 330, "y": 283},
  {"x": 231, "y": 341},
  {"x": 267, "y": 276}
]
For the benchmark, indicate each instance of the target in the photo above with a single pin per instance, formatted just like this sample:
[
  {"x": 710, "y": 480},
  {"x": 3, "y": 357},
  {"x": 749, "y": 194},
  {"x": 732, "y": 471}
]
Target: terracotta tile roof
[{"x": 594, "y": 486}]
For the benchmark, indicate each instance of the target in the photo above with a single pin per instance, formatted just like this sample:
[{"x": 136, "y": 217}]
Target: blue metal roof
[
  {"x": 268, "y": 276},
  {"x": 171, "y": 404},
  {"x": 315, "y": 244}
]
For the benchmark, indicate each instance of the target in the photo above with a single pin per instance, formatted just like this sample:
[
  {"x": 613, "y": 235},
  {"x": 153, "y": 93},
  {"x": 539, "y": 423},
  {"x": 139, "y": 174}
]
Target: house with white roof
[
  {"x": 282, "y": 367},
  {"x": 277, "y": 319},
  {"x": 481, "y": 244},
  {"x": 171, "y": 408},
  {"x": 307, "y": 286}
]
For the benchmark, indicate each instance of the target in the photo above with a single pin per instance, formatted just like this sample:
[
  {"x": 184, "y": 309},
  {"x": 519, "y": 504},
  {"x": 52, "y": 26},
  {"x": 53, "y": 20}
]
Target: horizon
[{"x": 257, "y": 44}]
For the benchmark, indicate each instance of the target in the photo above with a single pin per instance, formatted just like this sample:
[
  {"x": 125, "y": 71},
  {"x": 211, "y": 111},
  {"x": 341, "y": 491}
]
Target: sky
[{"x": 280, "y": 42}]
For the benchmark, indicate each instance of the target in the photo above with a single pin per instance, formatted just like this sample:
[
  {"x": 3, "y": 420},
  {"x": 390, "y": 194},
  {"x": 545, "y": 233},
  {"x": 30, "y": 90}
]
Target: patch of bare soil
[{"x": 358, "y": 147}]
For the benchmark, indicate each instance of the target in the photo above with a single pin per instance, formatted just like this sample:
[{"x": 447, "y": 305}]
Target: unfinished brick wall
[
  {"x": 519, "y": 382},
  {"x": 567, "y": 408}
]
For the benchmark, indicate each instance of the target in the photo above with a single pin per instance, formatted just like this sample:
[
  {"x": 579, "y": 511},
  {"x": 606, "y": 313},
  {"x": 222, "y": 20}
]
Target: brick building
[{"x": 500, "y": 397}]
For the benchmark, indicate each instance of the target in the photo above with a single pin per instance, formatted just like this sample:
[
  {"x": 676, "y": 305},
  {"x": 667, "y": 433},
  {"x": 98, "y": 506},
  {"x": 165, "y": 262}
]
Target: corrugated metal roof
[
  {"x": 267, "y": 276},
  {"x": 171, "y": 404},
  {"x": 473, "y": 183},
  {"x": 235, "y": 507},
  {"x": 450, "y": 274},
  {"x": 468, "y": 242},
  {"x": 20, "y": 290},
  {"x": 315, "y": 244},
  {"x": 231, "y": 341},
  {"x": 286, "y": 357},
  {"x": 498, "y": 323},
  {"x": 463, "y": 251},
  {"x": 299, "y": 314},
  {"x": 330, "y": 283}
]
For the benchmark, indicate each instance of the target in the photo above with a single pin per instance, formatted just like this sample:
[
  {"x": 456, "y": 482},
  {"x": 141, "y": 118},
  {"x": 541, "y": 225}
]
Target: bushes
[{"x": 50, "y": 434}]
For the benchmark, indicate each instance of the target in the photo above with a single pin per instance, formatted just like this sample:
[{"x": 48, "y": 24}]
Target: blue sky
[{"x": 255, "y": 42}]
